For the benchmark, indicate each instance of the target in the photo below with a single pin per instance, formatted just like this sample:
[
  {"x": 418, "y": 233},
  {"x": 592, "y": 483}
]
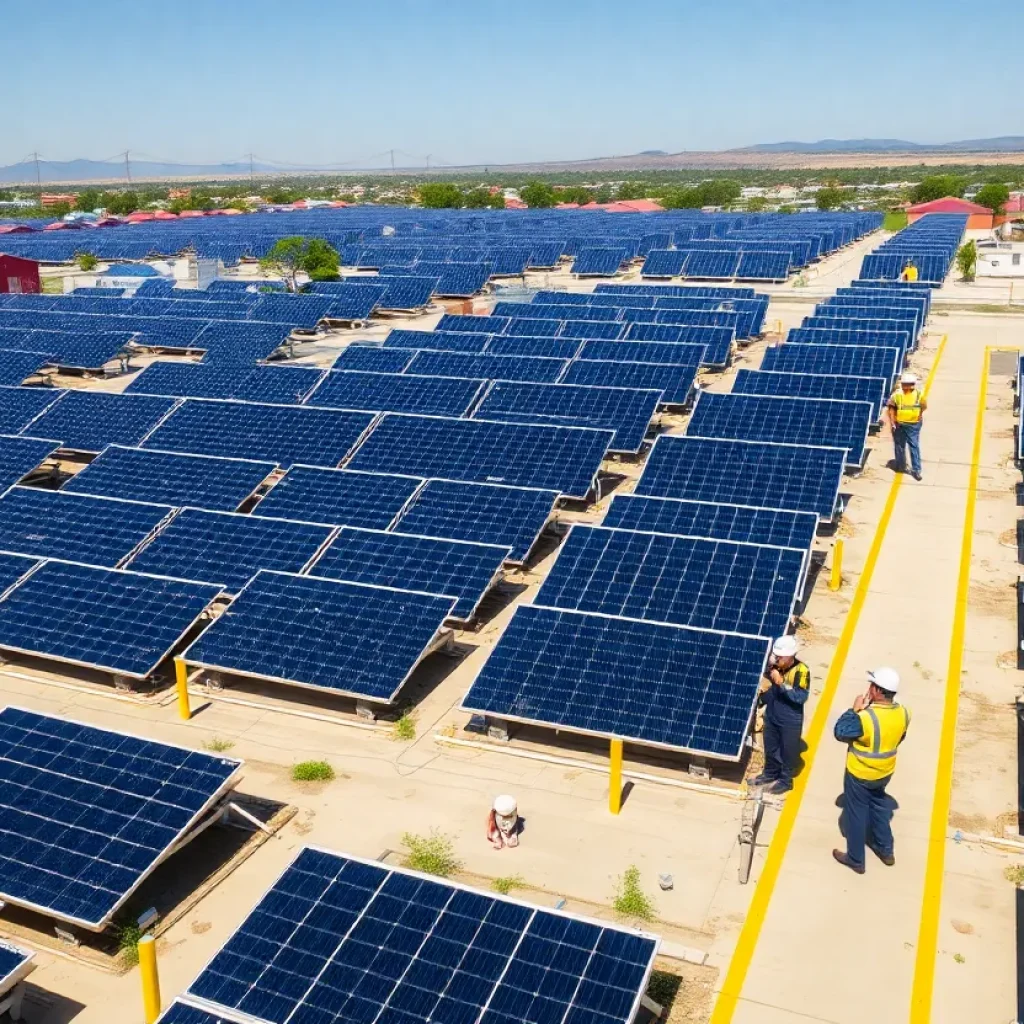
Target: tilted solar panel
[
  {"x": 554, "y": 348},
  {"x": 463, "y": 323},
  {"x": 717, "y": 341},
  {"x": 664, "y": 263},
  {"x": 408, "y": 292},
  {"x": 763, "y": 266},
  {"x": 170, "y": 478},
  {"x": 349, "y": 638},
  {"x": 15, "y": 964},
  {"x": 533, "y": 328},
  {"x": 374, "y": 359},
  {"x": 16, "y": 365},
  {"x": 603, "y": 262},
  {"x": 566, "y": 459},
  {"x": 583, "y": 328},
  {"x": 560, "y": 311},
  {"x": 855, "y": 360},
  {"x": 19, "y": 406},
  {"x": 809, "y": 385},
  {"x": 617, "y": 677},
  {"x": 393, "y": 392},
  {"x": 855, "y": 331},
  {"x": 711, "y": 264},
  {"x": 647, "y": 352},
  {"x": 673, "y": 380},
  {"x": 19, "y": 456},
  {"x": 438, "y": 341},
  {"x": 487, "y": 367},
  {"x": 13, "y": 568},
  {"x": 280, "y": 384}
]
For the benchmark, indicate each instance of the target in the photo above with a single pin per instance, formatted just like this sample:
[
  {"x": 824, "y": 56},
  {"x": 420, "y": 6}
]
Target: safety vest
[
  {"x": 910, "y": 274},
  {"x": 873, "y": 756},
  {"x": 908, "y": 406}
]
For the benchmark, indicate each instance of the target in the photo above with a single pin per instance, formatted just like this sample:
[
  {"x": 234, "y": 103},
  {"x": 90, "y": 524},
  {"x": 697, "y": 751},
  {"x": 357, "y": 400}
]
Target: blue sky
[{"x": 483, "y": 82}]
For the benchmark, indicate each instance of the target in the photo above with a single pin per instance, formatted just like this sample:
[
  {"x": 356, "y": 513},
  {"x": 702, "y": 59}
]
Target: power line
[{"x": 127, "y": 167}]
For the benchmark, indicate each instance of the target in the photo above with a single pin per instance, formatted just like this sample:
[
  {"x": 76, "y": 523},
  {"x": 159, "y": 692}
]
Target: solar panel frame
[
  {"x": 20, "y": 406},
  {"x": 674, "y": 380},
  {"x": 532, "y": 369},
  {"x": 398, "y": 392},
  {"x": 852, "y": 359},
  {"x": 437, "y": 341},
  {"x": 796, "y": 384},
  {"x": 15, "y": 965},
  {"x": 373, "y": 358},
  {"x": 20, "y": 455}
]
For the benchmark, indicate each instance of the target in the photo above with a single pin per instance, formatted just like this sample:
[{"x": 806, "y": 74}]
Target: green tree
[
  {"x": 86, "y": 261},
  {"x": 281, "y": 196},
  {"x": 682, "y": 199},
  {"x": 440, "y": 195},
  {"x": 830, "y": 198},
  {"x": 6, "y": 196},
  {"x": 603, "y": 194},
  {"x": 58, "y": 210},
  {"x": 290, "y": 256},
  {"x": 538, "y": 195},
  {"x": 575, "y": 194},
  {"x": 483, "y": 198},
  {"x": 121, "y": 203},
  {"x": 719, "y": 192},
  {"x": 321, "y": 261},
  {"x": 967, "y": 260},
  {"x": 786, "y": 208},
  {"x": 756, "y": 204},
  {"x": 938, "y": 186},
  {"x": 993, "y": 196},
  {"x": 88, "y": 200},
  {"x": 631, "y": 190}
]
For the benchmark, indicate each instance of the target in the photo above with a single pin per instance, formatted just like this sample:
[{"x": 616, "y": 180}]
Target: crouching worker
[{"x": 503, "y": 822}]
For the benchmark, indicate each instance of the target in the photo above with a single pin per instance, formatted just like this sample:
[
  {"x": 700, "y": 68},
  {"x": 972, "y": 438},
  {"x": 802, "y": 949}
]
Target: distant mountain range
[{"x": 1002, "y": 144}]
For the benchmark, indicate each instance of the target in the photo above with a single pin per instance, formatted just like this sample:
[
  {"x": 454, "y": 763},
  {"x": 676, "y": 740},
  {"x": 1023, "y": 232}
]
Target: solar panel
[
  {"x": 170, "y": 478},
  {"x": 20, "y": 406},
  {"x": 89, "y": 813},
  {"x": 363, "y": 641},
  {"x": 87, "y": 421},
  {"x": 393, "y": 392},
  {"x": 533, "y": 328},
  {"x": 711, "y": 264},
  {"x": 717, "y": 341},
  {"x": 796, "y": 477},
  {"x": 646, "y": 352},
  {"x": 13, "y": 568},
  {"x": 108, "y": 619},
  {"x": 487, "y": 367},
  {"x": 824, "y": 422},
  {"x": 280, "y": 384},
  {"x": 810, "y": 385},
  {"x": 374, "y": 359},
  {"x": 626, "y": 411},
  {"x": 583, "y": 328},
  {"x": 763, "y": 266},
  {"x": 485, "y": 513},
  {"x": 899, "y": 340},
  {"x": 52, "y": 524},
  {"x": 852, "y": 360},
  {"x": 19, "y": 456},
  {"x": 554, "y": 348},
  {"x": 340, "y": 496},
  {"x": 565, "y": 459},
  {"x": 460, "y": 323},
  {"x": 726, "y": 586},
  {"x": 664, "y": 263},
  {"x": 280, "y": 433},
  {"x": 15, "y": 964},
  {"x": 616, "y": 677},
  {"x": 673, "y": 380},
  {"x": 16, "y": 365},
  {"x": 859, "y": 332},
  {"x": 772, "y": 526},
  {"x": 338, "y": 938},
  {"x": 451, "y": 568},
  {"x": 438, "y": 341}
]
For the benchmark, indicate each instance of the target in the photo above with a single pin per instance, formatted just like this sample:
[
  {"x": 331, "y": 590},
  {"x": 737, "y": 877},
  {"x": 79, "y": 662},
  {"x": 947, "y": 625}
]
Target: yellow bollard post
[
  {"x": 615, "y": 777},
  {"x": 181, "y": 681},
  {"x": 836, "y": 578},
  {"x": 150, "y": 978}
]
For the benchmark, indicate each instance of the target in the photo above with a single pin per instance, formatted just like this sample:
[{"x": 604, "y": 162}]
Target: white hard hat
[
  {"x": 908, "y": 377},
  {"x": 885, "y": 678},
  {"x": 505, "y": 806},
  {"x": 784, "y": 647}
]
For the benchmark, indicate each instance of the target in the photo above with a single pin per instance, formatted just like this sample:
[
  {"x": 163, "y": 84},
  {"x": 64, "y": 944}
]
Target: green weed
[
  {"x": 405, "y": 727},
  {"x": 218, "y": 745},
  {"x": 432, "y": 854},
  {"x": 128, "y": 936},
  {"x": 630, "y": 899},
  {"x": 1015, "y": 874},
  {"x": 506, "y": 884},
  {"x": 312, "y": 771}
]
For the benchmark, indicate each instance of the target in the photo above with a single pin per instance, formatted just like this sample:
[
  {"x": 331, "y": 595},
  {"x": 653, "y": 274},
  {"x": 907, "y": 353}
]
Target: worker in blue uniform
[
  {"x": 789, "y": 684},
  {"x": 873, "y": 729}
]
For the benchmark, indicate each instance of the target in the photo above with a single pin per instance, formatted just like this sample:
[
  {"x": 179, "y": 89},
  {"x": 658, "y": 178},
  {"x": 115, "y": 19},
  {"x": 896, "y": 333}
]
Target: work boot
[
  {"x": 917, "y": 477},
  {"x": 761, "y": 780},
  {"x": 843, "y": 859},
  {"x": 779, "y": 788},
  {"x": 887, "y": 859}
]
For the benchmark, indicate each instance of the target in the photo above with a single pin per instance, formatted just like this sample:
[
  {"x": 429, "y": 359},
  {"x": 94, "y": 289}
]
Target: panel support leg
[
  {"x": 181, "y": 684},
  {"x": 615, "y": 777}
]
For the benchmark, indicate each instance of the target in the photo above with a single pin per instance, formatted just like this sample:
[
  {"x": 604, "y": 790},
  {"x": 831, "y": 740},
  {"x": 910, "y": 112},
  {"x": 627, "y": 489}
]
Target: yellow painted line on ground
[{"x": 743, "y": 955}]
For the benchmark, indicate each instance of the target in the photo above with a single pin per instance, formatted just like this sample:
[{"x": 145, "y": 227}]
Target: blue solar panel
[
  {"x": 487, "y": 367},
  {"x": 854, "y": 360},
  {"x": 439, "y": 341},
  {"x": 822, "y": 422},
  {"x": 228, "y": 549},
  {"x": 533, "y": 328},
  {"x": 763, "y": 266},
  {"x": 345, "y": 637},
  {"x": 711, "y": 264},
  {"x": 338, "y": 496},
  {"x": 717, "y": 341},
  {"x": 280, "y": 384},
  {"x": 726, "y": 586},
  {"x": 13, "y": 568},
  {"x": 16, "y": 366},
  {"x": 545, "y": 254},
  {"x": 304, "y": 311},
  {"x": 809, "y": 385},
  {"x": 553, "y": 348},
  {"x": 450, "y": 568},
  {"x": 583, "y": 328},
  {"x": 362, "y": 940},
  {"x": 241, "y": 342},
  {"x": 674, "y": 381},
  {"x": 393, "y": 392},
  {"x": 87, "y": 421},
  {"x": 795, "y": 477},
  {"x": 645, "y": 352},
  {"x": 13, "y": 966},
  {"x": 19, "y": 456},
  {"x": 619, "y": 677},
  {"x": 109, "y": 619},
  {"x": 602, "y": 262},
  {"x": 170, "y": 478},
  {"x": 858, "y": 332},
  {"x": 408, "y": 292},
  {"x": 283, "y": 434},
  {"x": 461, "y": 324},
  {"x": 485, "y": 513},
  {"x": 626, "y": 411},
  {"x": 20, "y": 406},
  {"x": 664, "y": 263},
  {"x": 374, "y": 359},
  {"x": 565, "y": 459},
  {"x": 559, "y": 311}
]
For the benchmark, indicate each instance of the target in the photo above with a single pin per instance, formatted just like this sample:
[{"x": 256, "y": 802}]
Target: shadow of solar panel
[
  {"x": 88, "y": 812},
  {"x": 108, "y": 619},
  {"x": 487, "y": 367},
  {"x": 87, "y": 421},
  {"x": 392, "y": 392},
  {"x": 566, "y": 459},
  {"x": 281, "y": 433},
  {"x": 374, "y": 359},
  {"x": 457, "y": 323},
  {"x": 360, "y": 640},
  {"x": 825, "y": 422},
  {"x": 485, "y": 513},
  {"x": 808, "y": 385},
  {"x": 16, "y": 365},
  {"x": 721, "y": 585},
  {"x": 170, "y": 478},
  {"x": 358, "y": 937},
  {"x": 448, "y": 568},
  {"x": 553, "y": 348},
  {"x": 437, "y": 341},
  {"x": 626, "y": 411},
  {"x": 20, "y": 406},
  {"x": 664, "y": 352},
  {"x": 617, "y": 677},
  {"x": 795, "y": 477},
  {"x": 340, "y": 496},
  {"x": 771, "y": 526},
  {"x": 664, "y": 263},
  {"x": 78, "y": 527}
]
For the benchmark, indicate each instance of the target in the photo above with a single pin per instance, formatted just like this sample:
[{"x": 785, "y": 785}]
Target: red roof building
[
  {"x": 18, "y": 276},
  {"x": 978, "y": 217}
]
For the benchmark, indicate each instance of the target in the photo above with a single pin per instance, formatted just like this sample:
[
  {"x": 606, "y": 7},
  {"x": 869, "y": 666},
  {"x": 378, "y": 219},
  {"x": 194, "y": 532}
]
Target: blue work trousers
[
  {"x": 904, "y": 436},
  {"x": 867, "y": 814},
  {"x": 781, "y": 750}
]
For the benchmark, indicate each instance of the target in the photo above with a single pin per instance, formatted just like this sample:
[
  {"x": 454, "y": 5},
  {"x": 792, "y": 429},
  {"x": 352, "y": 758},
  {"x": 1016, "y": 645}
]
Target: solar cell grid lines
[
  {"x": 340, "y": 496},
  {"x": 645, "y": 352},
  {"x": 853, "y": 360},
  {"x": 538, "y": 369},
  {"x": 827, "y": 422},
  {"x": 374, "y": 359},
  {"x": 583, "y": 328},
  {"x": 485, "y": 513},
  {"x": 437, "y": 341},
  {"x": 351, "y": 638},
  {"x": 395, "y": 943},
  {"x": 673, "y": 380},
  {"x": 809, "y": 385},
  {"x": 566, "y": 459},
  {"x": 601, "y": 262},
  {"x": 20, "y": 455},
  {"x": 393, "y": 392},
  {"x": 88, "y": 812},
  {"x": 170, "y": 478},
  {"x": 463, "y": 323},
  {"x": 13, "y": 964},
  {"x": 429, "y": 565},
  {"x": 16, "y": 366},
  {"x": 533, "y": 328},
  {"x": 554, "y": 348},
  {"x": 616, "y": 677},
  {"x": 727, "y": 586},
  {"x": 279, "y": 433},
  {"x": 20, "y": 406},
  {"x": 762, "y": 474}
]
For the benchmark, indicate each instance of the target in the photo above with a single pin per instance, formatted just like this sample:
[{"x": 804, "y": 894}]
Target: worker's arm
[
  {"x": 890, "y": 413},
  {"x": 798, "y": 691},
  {"x": 924, "y": 406},
  {"x": 849, "y": 727}
]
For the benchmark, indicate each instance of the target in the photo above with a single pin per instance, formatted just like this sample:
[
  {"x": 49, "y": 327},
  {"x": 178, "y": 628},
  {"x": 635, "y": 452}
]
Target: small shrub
[
  {"x": 128, "y": 936},
  {"x": 959, "y": 958},
  {"x": 312, "y": 771},
  {"x": 405, "y": 727},
  {"x": 630, "y": 899},
  {"x": 432, "y": 854},
  {"x": 218, "y": 745},
  {"x": 86, "y": 261},
  {"x": 507, "y": 884},
  {"x": 1015, "y": 874}
]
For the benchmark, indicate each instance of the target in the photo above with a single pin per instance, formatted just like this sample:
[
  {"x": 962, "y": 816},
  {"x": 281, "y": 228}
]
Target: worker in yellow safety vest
[
  {"x": 909, "y": 272},
  {"x": 873, "y": 729},
  {"x": 906, "y": 409}
]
